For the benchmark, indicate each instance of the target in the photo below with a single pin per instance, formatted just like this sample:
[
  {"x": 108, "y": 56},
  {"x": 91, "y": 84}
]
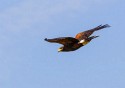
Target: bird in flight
[{"x": 81, "y": 39}]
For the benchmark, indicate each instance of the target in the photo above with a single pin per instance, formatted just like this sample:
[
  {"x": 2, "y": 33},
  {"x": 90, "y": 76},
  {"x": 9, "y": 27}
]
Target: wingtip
[
  {"x": 45, "y": 39},
  {"x": 92, "y": 37},
  {"x": 107, "y": 25},
  {"x": 95, "y": 36}
]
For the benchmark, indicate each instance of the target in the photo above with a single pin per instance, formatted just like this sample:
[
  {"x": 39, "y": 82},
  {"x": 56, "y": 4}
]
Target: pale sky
[{"x": 27, "y": 61}]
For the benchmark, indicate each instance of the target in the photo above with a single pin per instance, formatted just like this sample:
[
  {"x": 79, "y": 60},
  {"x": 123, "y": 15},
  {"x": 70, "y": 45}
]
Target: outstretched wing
[
  {"x": 86, "y": 34},
  {"x": 63, "y": 40}
]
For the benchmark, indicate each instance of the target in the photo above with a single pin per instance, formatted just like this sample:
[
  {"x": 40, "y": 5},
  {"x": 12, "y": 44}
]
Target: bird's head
[{"x": 60, "y": 49}]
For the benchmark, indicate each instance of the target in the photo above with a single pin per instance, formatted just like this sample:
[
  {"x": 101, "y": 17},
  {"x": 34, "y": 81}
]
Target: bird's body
[
  {"x": 71, "y": 48},
  {"x": 81, "y": 39}
]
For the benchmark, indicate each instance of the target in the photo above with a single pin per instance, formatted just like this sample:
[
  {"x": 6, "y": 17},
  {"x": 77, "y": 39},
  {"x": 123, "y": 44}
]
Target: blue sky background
[{"x": 27, "y": 61}]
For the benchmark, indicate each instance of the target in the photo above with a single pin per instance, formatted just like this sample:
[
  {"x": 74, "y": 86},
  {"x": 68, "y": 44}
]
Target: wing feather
[
  {"x": 63, "y": 40},
  {"x": 86, "y": 34}
]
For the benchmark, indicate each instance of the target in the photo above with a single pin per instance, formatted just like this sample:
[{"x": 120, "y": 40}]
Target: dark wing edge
[
  {"x": 86, "y": 34},
  {"x": 63, "y": 40},
  {"x": 100, "y": 27}
]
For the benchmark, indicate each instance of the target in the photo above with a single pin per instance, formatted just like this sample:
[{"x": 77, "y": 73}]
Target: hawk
[{"x": 81, "y": 39}]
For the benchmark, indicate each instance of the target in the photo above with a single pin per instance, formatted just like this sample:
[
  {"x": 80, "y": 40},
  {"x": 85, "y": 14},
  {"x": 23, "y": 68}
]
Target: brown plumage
[{"x": 81, "y": 39}]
